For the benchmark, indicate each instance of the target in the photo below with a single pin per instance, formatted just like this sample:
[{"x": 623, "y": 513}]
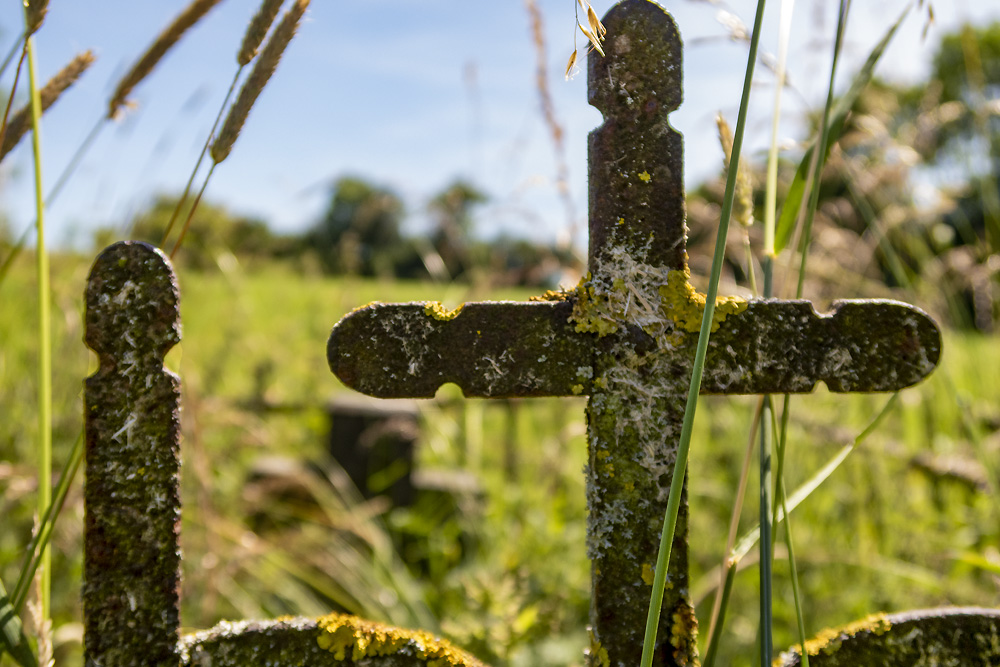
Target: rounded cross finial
[
  {"x": 641, "y": 73},
  {"x": 132, "y": 299}
]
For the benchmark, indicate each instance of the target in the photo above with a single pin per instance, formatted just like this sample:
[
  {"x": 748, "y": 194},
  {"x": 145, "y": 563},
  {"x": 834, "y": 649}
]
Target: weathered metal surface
[
  {"x": 131, "y": 554},
  {"x": 488, "y": 349},
  {"x": 626, "y": 338},
  {"x": 328, "y": 641},
  {"x": 967, "y": 636},
  {"x": 531, "y": 349}
]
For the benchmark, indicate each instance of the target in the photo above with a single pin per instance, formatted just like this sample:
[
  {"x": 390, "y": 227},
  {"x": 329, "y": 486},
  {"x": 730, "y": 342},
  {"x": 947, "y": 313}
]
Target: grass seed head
[
  {"x": 571, "y": 65},
  {"x": 20, "y": 123},
  {"x": 163, "y": 42},
  {"x": 262, "y": 70},
  {"x": 257, "y": 30},
  {"x": 743, "y": 202},
  {"x": 596, "y": 26},
  {"x": 594, "y": 40},
  {"x": 34, "y": 15}
]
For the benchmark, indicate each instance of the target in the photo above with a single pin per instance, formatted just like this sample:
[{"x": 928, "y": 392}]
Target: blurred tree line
[
  {"x": 361, "y": 234},
  {"x": 909, "y": 208}
]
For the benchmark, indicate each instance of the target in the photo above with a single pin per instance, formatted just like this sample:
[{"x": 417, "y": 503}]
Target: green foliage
[
  {"x": 905, "y": 518},
  {"x": 452, "y": 213},
  {"x": 360, "y": 232},
  {"x": 214, "y": 231}
]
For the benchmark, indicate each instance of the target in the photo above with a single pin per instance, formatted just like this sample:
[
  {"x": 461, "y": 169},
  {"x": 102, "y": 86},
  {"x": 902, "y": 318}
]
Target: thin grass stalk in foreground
[
  {"x": 44, "y": 330},
  {"x": 683, "y": 447},
  {"x": 252, "y": 38},
  {"x": 771, "y": 189},
  {"x": 197, "y": 166},
  {"x": 40, "y": 539},
  {"x": 261, "y": 73},
  {"x": 728, "y": 570},
  {"x": 10, "y": 99},
  {"x": 804, "y": 490},
  {"x": 14, "y": 48},
  {"x": 259, "y": 76},
  {"x": 796, "y": 594},
  {"x": 152, "y": 56},
  {"x": 766, "y": 564}
]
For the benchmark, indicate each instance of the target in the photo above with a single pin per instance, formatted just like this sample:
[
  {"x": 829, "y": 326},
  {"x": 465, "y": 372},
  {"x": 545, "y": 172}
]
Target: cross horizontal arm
[
  {"x": 490, "y": 349},
  {"x": 497, "y": 349},
  {"x": 777, "y": 347}
]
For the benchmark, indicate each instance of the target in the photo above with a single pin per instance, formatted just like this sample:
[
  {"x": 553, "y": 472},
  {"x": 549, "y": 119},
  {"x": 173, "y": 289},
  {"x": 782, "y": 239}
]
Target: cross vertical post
[
  {"x": 131, "y": 552},
  {"x": 636, "y": 405}
]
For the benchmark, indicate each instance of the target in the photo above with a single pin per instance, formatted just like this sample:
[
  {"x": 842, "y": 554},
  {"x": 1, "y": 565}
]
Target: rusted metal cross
[{"x": 626, "y": 338}]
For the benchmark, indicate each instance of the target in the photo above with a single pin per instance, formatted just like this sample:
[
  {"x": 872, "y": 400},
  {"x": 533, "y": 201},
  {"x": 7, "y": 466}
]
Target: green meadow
[{"x": 907, "y": 520}]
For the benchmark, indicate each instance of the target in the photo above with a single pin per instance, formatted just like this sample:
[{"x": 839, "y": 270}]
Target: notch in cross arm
[{"x": 509, "y": 349}]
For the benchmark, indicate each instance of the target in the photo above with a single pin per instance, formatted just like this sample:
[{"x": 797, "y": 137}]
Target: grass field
[{"x": 910, "y": 519}]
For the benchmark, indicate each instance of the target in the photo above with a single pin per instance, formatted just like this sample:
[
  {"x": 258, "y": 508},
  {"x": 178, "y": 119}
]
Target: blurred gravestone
[{"x": 374, "y": 442}]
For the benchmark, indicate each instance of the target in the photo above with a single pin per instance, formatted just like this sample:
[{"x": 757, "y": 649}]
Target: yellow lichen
[
  {"x": 645, "y": 177},
  {"x": 552, "y": 295},
  {"x": 829, "y": 640},
  {"x": 597, "y": 654},
  {"x": 685, "y": 306},
  {"x": 437, "y": 310},
  {"x": 591, "y": 313},
  {"x": 577, "y": 389},
  {"x": 648, "y": 574},
  {"x": 349, "y": 637}
]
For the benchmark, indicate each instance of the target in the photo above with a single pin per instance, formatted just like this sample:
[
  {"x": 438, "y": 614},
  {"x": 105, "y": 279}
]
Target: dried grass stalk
[
  {"x": 34, "y": 15},
  {"x": 166, "y": 39},
  {"x": 743, "y": 202},
  {"x": 259, "y": 75},
  {"x": 20, "y": 122},
  {"x": 257, "y": 30}
]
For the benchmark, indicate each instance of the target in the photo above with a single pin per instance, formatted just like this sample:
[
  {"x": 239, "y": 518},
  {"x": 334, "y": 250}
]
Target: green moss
[
  {"x": 349, "y": 637},
  {"x": 685, "y": 306},
  {"x": 437, "y": 310}
]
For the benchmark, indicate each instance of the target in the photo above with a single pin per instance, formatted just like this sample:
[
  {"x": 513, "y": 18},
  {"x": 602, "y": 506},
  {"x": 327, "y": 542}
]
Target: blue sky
[{"x": 410, "y": 94}]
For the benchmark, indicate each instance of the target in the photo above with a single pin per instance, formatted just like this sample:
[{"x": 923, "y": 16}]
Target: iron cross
[{"x": 626, "y": 336}]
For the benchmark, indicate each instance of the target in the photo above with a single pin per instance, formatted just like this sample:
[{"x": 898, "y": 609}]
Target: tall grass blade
[
  {"x": 771, "y": 189},
  {"x": 766, "y": 550},
  {"x": 44, "y": 329},
  {"x": 728, "y": 567},
  {"x": 252, "y": 38},
  {"x": 14, "y": 640},
  {"x": 684, "y": 444},
  {"x": 835, "y": 127},
  {"x": 193, "y": 13},
  {"x": 980, "y": 562},
  {"x": 12, "y": 633},
  {"x": 796, "y": 595},
  {"x": 40, "y": 540},
  {"x": 14, "y": 48}
]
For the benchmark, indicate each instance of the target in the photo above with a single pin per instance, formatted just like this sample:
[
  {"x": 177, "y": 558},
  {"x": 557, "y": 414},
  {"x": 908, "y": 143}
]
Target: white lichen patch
[{"x": 410, "y": 334}]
